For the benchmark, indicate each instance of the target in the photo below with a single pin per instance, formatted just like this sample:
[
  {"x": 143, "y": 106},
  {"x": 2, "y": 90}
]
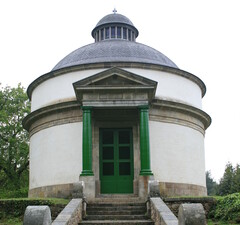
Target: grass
[
  {"x": 11, "y": 221},
  {"x": 191, "y": 197},
  {"x": 53, "y": 201},
  {"x": 211, "y": 222}
]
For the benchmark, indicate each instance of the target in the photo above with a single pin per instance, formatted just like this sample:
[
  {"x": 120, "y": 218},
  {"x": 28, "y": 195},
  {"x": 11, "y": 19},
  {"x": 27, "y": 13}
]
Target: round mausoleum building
[{"x": 116, "y": 114}]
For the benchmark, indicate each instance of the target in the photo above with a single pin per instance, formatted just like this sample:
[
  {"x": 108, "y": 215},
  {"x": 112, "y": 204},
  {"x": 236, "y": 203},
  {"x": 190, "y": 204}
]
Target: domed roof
[
  {"x": 114, "y": 18},
  {"x": 115, "y": 50},
  {"x": 114, "y": 42}
]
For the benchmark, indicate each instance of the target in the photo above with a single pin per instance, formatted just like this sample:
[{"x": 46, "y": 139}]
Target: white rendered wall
[
  {"x": 173, "y": 87},
  {"x": 58, "y": 89},
  {"x": 56, "y": 155},
  {"x": 170, "y": 87},
  {"x": 177, "y": 154}
]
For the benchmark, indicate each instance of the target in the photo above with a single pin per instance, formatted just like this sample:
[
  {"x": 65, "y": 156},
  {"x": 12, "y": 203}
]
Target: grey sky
[{"x": 201, "y": 37}]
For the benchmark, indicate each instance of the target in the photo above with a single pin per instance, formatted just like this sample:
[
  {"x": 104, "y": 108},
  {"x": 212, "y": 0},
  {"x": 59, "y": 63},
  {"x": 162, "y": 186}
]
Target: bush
[
  {"x": 16, "y": 207},
  {"x": 228, "y": 208},
  {"x": 20, "y": 193}
]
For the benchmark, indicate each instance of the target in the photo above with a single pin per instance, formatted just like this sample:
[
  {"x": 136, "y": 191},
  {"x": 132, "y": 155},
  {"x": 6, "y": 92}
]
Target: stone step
[
  {"x": 117, "y": 212},
  {"x": 115, "y": 208},
  {"x": 110, "y": 204},
  {"x": 117, "y": 198},
  {"x": 116, "y": 217},
  {"x": 118, "y": 222}
]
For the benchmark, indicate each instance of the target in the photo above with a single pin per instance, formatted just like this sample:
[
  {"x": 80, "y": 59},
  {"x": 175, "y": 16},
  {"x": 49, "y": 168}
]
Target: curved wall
[
  {"x": 173, "y": 87},
  {"x": 58, "y": 89},
  {"x": 170, "y": 87},
  {"x": 55, "y": 155},
  {"x": 176, "y": 144},
  {"x": 177, "y": 154},
  {"x": 176, "y": 133}
]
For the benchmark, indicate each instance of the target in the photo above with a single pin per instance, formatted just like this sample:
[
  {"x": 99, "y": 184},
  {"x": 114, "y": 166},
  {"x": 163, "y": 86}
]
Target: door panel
[{"x": 116, "y": 161}]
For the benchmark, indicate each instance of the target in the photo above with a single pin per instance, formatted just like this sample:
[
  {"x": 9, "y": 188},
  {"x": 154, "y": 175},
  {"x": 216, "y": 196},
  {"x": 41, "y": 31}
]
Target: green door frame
[{"x": 116, "y": 161}]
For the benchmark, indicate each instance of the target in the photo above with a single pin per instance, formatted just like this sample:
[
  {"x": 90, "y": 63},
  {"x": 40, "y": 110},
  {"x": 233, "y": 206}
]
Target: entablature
[{"x": 115, "y": 88}]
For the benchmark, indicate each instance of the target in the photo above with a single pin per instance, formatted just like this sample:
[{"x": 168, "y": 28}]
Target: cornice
[
  {"x": 188, "y": 115},
  {"x": 49, "y": 110},
  {"x": 159, "y": 110},
  {"x": 172, "y": 70}
]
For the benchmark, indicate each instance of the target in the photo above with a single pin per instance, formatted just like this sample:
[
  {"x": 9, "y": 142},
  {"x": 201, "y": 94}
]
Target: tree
[
  {"x": 236, "y": 179},
  {"x": 226, "y": 182},
  {"x": 14, "y": 149},
  {"x": 211, "y": 184}
]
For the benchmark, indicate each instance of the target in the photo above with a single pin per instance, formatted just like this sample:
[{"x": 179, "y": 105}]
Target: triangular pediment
[
  {"x": 114, "y": 80},
  {"x": 115, "y": 87},
  {"x": 115, "y": 77}
]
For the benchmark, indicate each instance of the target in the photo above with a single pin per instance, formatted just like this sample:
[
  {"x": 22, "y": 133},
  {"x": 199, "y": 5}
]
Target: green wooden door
[{"x": 116, "y": 161}]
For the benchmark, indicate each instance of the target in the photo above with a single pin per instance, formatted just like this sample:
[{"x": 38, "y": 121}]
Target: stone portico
[{"x": 117, "y": 99}]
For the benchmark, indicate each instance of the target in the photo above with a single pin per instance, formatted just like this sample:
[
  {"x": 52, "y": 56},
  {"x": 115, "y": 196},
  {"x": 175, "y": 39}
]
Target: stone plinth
[
  {"x": 191, "y": 214},
  {"x": 37, "y": 215},
  {"x": 143, "y": 185},
  {"x": 89, "y": 186}
]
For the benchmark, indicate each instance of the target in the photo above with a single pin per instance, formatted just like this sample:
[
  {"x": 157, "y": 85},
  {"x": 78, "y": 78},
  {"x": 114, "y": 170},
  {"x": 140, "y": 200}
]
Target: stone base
[
  {"x": 140, "y": 189},
  {"x": 37, "y": 215},
  {"x": 174, "y": 203},
  {"x": 178, "y": 189},
  {"x": 89, "y": 189},
  {"x": 78, "y": 189},
  {"x": 153, "y": 189},
  {"x": 53, "y": 191},
  {"x": 191, "y": 214},
  {"x": 143, "y": 186}
]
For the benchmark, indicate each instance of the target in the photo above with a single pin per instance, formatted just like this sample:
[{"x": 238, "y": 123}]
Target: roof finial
[{"x": 114, "y": 11}]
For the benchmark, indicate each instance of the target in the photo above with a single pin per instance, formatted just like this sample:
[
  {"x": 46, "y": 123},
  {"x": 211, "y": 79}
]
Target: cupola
[{"x": 114, "y": 26}]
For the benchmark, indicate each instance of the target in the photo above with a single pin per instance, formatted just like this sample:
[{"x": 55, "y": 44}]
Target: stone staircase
[{"x": 117, "y": 212}]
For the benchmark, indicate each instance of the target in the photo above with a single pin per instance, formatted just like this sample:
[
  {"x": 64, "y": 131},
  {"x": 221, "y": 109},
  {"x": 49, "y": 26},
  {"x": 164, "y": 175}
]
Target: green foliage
[
  {"x": 227, "y": 208},
  {"x": 12, "y": 210},
  {"x": 211, "y": 184},
  {"x": 230, "y": 182},
  {"x": 14, "y": 150},
  {"x": 210, "y": 222},
  {"x": 226, "y": 182},
  {"x": 18, "y": 193},
  {"x": 16, "y": 207},
  {"x": 236, "y": 179},
  {"x": 11, "y": 221}
]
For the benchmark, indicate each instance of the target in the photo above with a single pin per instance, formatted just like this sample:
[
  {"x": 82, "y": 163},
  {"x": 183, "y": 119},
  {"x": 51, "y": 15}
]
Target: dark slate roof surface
[
  {"x": 114, "y": 51},
  {"x": 114, "y": 18}
]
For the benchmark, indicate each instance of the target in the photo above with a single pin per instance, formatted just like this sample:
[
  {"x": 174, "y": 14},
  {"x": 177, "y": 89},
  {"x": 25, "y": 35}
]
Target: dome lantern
[{"x": 114, "y": 26}]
